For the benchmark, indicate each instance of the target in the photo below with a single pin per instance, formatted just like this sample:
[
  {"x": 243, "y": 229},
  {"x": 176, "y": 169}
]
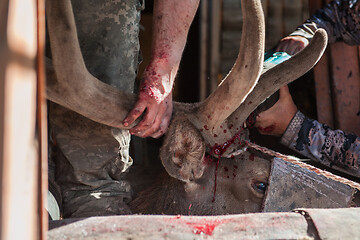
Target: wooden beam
[
  {"x": 345, "y": 87},
  {"x": 210, "y": 20},
  {"x": 42, "y": 121},
  {"x": 18, "y": 151},
  {"x": 323, "y": 90}
]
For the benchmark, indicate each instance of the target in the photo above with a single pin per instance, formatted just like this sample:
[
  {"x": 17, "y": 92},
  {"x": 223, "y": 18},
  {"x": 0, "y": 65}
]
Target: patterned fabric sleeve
[
  {"x": 340, "y": 19},
  {"x": 333, "y": 148}
]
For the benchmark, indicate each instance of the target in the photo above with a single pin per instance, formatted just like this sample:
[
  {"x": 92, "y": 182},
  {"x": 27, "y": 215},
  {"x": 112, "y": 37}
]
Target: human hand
[
  {"x": 292, "y": 44},
  {"x": 155, "y": 102},
  {"x": 275, "y": 120}
]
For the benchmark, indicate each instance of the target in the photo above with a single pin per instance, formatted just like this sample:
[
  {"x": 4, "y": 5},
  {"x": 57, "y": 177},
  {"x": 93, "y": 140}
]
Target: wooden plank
[
  {"x": 3, "y": 62},
  {"x": 215, "y": 44},
  {"x": 19, "y": 193},
  {"x": 231, "y": 16},
  {"x": 265, "y": 4},
  {"x": 42, "y": 120},
  {"x": 327, "y": 222},
  {"x": 323, "y": 91},
  {"x": 291, "y": 187},
  {"x": 204, "y": 24},
  {"x": 293, "y": 15},
  {"x": 346, "y": 85},
  {"x": 289, "y": 225},
  {"x": 242, "y": 226},
  {"x": 274, "y": 23}
]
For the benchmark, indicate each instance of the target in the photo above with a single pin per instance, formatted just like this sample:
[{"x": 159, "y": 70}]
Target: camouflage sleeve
[
  {"x": 340, "y": 19},
  {"x": 333, "y": 148}
]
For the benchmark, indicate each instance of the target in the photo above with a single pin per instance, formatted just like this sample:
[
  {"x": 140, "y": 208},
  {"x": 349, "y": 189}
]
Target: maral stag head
[{"x": 196, "y": 127}]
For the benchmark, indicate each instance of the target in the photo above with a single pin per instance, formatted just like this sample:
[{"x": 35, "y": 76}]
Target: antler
[
  {"x": 276, "y": 77},
  {"x": 243, "y": 75},
  {"x": 280, "y": 75},
  {"x": 69, "y": 83}
]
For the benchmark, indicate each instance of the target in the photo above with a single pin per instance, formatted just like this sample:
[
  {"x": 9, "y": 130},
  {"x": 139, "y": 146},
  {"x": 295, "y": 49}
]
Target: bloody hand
[{"x": 275, "y": 120}]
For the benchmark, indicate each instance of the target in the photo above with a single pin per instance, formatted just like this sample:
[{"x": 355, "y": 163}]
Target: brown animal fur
[{"x": 236, "y": 189}]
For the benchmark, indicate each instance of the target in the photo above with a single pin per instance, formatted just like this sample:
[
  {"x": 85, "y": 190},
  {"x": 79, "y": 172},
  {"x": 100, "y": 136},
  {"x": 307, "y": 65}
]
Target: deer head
[
  {"x": 227, "y": 186},
  {"x": 195, "y": 128}
]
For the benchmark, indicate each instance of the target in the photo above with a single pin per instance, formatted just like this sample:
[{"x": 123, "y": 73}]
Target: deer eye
[{"x": 260, "y": 187}]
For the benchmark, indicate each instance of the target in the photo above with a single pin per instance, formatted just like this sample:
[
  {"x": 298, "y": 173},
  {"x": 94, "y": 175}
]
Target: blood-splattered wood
[
  {"x": 265, "y": 226},
  {"x": 300, "y": 224}
]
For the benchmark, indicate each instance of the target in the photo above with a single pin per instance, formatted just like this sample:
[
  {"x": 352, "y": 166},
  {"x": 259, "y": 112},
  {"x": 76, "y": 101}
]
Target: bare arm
[{"x": 172, "y": 20}]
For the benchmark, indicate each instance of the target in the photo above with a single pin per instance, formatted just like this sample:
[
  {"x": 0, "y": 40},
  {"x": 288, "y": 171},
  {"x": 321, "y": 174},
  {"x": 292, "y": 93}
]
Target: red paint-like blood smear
[
  {"x": 219, "y": 150},
  {"x": 200, "y": 226},
  {"x": 148, "y": 90},
  {"x": 225, "y": 130},
  {"x": 268, "y": 129},
  {"x": 226, "y": 169},
  {"x": 207, "y": 229},
  {"x": 215, "y": 135},
  {"x": 206, "y": 127},
  {"x": 252, "y": 157},
  {"x": 206, "y": 226}
]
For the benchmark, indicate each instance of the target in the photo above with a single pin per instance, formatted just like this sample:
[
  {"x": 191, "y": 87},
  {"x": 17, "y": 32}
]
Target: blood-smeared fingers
[
  {"x": 145, "y": 124},
  {"x": 163, "y": 127},
  {"x": 135, "y": 113},
  {"x": 153, "y": 128}
]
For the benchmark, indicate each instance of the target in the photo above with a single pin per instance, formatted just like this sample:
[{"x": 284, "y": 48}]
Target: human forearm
[
  {"x": 322, "y": 144},
  {"x": 171, "y": 23},
  {"x": 339, "y": 18}
]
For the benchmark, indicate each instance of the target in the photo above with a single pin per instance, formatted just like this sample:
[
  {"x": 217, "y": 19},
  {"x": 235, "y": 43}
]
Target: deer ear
[{"x": 183, "y": 150}]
